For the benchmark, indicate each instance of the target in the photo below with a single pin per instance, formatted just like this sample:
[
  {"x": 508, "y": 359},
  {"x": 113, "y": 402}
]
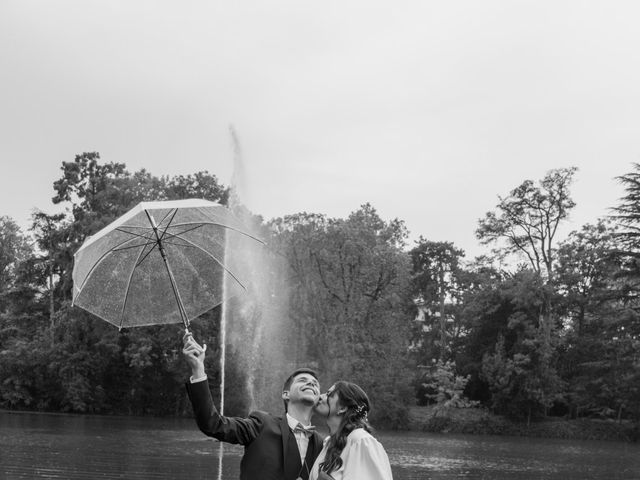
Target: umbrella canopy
[{"x": 161, "y": 262}]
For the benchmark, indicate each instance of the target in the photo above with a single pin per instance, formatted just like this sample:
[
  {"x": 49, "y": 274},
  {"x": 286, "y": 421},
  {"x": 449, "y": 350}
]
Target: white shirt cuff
[{"x": 196, "y": 380}]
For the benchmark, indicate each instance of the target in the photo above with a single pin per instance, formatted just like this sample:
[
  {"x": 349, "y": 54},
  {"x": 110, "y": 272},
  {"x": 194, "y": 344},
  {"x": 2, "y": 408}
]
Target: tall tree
[
  {"x": 349, "y": 304},
  {"x": 619, "y": 376},
  {"x": 14, "y": 248},
  {"x": 47, "y": 229},
  {"x": 627, "y": 212},
  {"x": 527, "y": 220},
  {"x": 87, "y": 185},
  {"x": 18, "y": 293},
  {"x": 627, "y": 216},
  {"x": 198, "y": 185},
  {"x": 520, "y": 366},
  {"x": 588, "y": 263},
  {"x": 527, "y": 223},
  {"x": 78, "y": 373},
  {"x": 436, "y": 285}
]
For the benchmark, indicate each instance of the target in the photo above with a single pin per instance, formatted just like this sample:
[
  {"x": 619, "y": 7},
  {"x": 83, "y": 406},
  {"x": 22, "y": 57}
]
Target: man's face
[{"x": 304, "y": 389}]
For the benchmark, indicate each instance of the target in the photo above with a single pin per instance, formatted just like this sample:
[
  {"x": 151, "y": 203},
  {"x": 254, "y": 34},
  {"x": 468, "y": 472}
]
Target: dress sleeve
[{"x": 367, "y": 460}]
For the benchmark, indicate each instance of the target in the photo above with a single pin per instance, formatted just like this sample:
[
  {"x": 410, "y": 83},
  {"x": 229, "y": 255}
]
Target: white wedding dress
[{"x": 363, "y": 458}]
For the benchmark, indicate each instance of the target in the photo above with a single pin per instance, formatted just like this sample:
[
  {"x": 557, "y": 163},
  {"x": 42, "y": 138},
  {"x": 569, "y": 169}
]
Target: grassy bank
[{"x": 481, "y": 422}]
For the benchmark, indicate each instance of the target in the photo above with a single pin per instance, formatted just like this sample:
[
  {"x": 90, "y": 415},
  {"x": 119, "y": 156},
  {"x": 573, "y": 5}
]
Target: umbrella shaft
[{"x": 174, "y": 286}]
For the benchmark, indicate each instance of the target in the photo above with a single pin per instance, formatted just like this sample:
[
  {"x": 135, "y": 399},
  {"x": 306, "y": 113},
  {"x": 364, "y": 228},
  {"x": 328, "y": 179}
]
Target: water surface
[{"x": 91, "y": 447}]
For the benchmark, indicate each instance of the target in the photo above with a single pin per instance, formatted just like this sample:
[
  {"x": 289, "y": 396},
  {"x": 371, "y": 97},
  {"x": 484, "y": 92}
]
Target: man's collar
[{"x": 293, "y": 422}]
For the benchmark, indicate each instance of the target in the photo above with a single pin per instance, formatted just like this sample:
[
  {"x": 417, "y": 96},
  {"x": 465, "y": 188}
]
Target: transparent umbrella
[{"x": 160, "y": 263}]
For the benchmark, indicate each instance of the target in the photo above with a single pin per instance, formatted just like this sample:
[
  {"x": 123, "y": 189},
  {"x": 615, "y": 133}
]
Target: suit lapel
[
  {"x": 312, "y": 452},
  {"x": 318, "y": 444}
]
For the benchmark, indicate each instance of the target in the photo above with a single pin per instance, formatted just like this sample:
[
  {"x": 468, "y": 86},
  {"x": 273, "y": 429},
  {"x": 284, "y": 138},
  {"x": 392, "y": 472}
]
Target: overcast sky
[{"x": 426, "y": 109}]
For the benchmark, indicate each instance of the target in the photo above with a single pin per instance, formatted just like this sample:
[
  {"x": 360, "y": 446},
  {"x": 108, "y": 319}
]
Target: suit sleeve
[{"x": 237, "y": 430}]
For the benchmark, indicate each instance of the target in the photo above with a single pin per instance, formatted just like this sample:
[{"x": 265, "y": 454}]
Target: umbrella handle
[{"x": 187, "y": 333}]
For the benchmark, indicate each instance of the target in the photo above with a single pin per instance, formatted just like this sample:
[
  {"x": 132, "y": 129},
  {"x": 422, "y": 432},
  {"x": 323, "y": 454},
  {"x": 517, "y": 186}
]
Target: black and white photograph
[{"x": 294, "y": 240}]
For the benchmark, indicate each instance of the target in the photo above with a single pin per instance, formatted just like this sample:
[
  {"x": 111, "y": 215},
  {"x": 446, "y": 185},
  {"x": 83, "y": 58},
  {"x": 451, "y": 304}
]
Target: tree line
[{"x": 538, "y": 326}]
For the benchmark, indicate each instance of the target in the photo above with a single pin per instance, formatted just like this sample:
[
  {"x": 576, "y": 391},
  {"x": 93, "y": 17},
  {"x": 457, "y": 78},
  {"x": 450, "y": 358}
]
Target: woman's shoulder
[{"x": 358, "y": 435}]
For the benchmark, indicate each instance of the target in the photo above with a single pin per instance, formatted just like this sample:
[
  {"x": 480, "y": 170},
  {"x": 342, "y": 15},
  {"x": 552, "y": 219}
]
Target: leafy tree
[
  {"x": 89, "y": 187},
  {"x": 436, "y": 285},
  {"x": 91, "y": 190},
  {"x": 444, "y": 387},
  {"x": 627, "y": 212},
  {"x": 609, "y": 380},
  {"x": 521, "y": 381},
  {"x": 98, "y": 193},
  {"x": 527, "y": 220},
  {"x": 199, "y": 185},
  {"x": 92, "y": 368},
  {"x": 46, "y": 229},
  {"x": 527, "y": 223},
  {"x": 510, "y": 362},
  {"x": 586, "y": 278},
  {"x": 485, "y": 310},
  {"x": 348, "y": 305},
  {"x": 627, "y": 216},
  {"x": 19, "y": 301},
  {"x": 14, "y": 248},
  {"x": 587, "y": 266}
]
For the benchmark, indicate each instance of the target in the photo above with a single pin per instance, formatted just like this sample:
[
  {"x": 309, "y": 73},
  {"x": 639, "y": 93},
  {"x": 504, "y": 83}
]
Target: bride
[{"x": 350, "y": 452}]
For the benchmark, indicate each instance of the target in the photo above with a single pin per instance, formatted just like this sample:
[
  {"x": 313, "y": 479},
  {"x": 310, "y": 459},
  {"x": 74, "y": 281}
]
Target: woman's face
[{"x": 328, "y": 403}]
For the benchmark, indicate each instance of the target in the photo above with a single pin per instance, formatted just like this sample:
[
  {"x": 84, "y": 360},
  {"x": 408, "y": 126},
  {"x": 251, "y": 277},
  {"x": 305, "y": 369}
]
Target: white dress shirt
[{"x": 301, "y": 438}]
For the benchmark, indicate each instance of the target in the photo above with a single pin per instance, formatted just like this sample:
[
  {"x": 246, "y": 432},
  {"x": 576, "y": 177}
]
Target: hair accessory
[{"x": 361, "y": 411}]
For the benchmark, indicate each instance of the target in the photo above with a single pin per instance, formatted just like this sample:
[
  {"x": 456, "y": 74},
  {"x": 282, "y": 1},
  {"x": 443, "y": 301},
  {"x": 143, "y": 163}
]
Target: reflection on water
[
  {"x": 86, "y": 447},
  {"x": 220, "y": 458},
  {"x": 415, "y": 455}
]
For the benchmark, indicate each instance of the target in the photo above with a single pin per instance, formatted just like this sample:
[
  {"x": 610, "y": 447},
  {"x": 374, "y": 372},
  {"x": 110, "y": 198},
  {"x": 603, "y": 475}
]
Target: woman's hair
[{"x": 353, "y": 398}]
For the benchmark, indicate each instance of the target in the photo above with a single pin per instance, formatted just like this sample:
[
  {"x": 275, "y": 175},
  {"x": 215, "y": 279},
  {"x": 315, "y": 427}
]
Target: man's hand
[{"x": 194, "y": 355}]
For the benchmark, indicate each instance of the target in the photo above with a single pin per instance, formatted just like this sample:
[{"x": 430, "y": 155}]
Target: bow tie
[{"x": 308, "y": 431}]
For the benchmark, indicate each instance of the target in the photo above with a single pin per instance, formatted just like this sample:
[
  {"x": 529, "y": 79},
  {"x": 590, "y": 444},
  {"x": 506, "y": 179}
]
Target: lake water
[{"x": 91, "y": 447}]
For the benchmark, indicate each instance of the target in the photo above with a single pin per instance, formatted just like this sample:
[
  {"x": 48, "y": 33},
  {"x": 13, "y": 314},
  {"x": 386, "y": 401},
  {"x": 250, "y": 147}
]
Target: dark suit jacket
[{"x": 270, "y": 448}]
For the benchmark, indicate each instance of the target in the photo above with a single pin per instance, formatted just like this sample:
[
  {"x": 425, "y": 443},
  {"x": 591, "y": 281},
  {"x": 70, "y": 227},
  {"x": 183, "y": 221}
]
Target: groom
[{"x": 275, "y": 447}]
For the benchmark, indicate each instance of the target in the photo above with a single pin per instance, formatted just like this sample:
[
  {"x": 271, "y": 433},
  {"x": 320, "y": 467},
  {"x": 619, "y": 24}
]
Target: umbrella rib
[
  {"x": 132, "y": 246},
  {"x": 170, "y": 212},
  {"x": 173, "y": 215},
  {"x": 218, "y": 224},
  {"x": 126, "y": 293},
  {"x": 209, "y": 215},
  {"x": 140, "y": 260},
  {"x": 196, "y": 226},
  {"x": 145, "y": 245},
  {"x": 194, "y": 245},
  {"x": 176, "y": 243},
  {"x": 152, "y": 242},
  {"x": 133, "y": 234},
  {"x": 132, "y": 227},
  {"x": 178, "y": 236},
  {"x": 99, "y": 260}
]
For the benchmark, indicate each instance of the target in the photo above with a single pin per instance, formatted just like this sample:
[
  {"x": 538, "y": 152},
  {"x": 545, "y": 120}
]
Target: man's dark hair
[{"x": 289, "y": 381}]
